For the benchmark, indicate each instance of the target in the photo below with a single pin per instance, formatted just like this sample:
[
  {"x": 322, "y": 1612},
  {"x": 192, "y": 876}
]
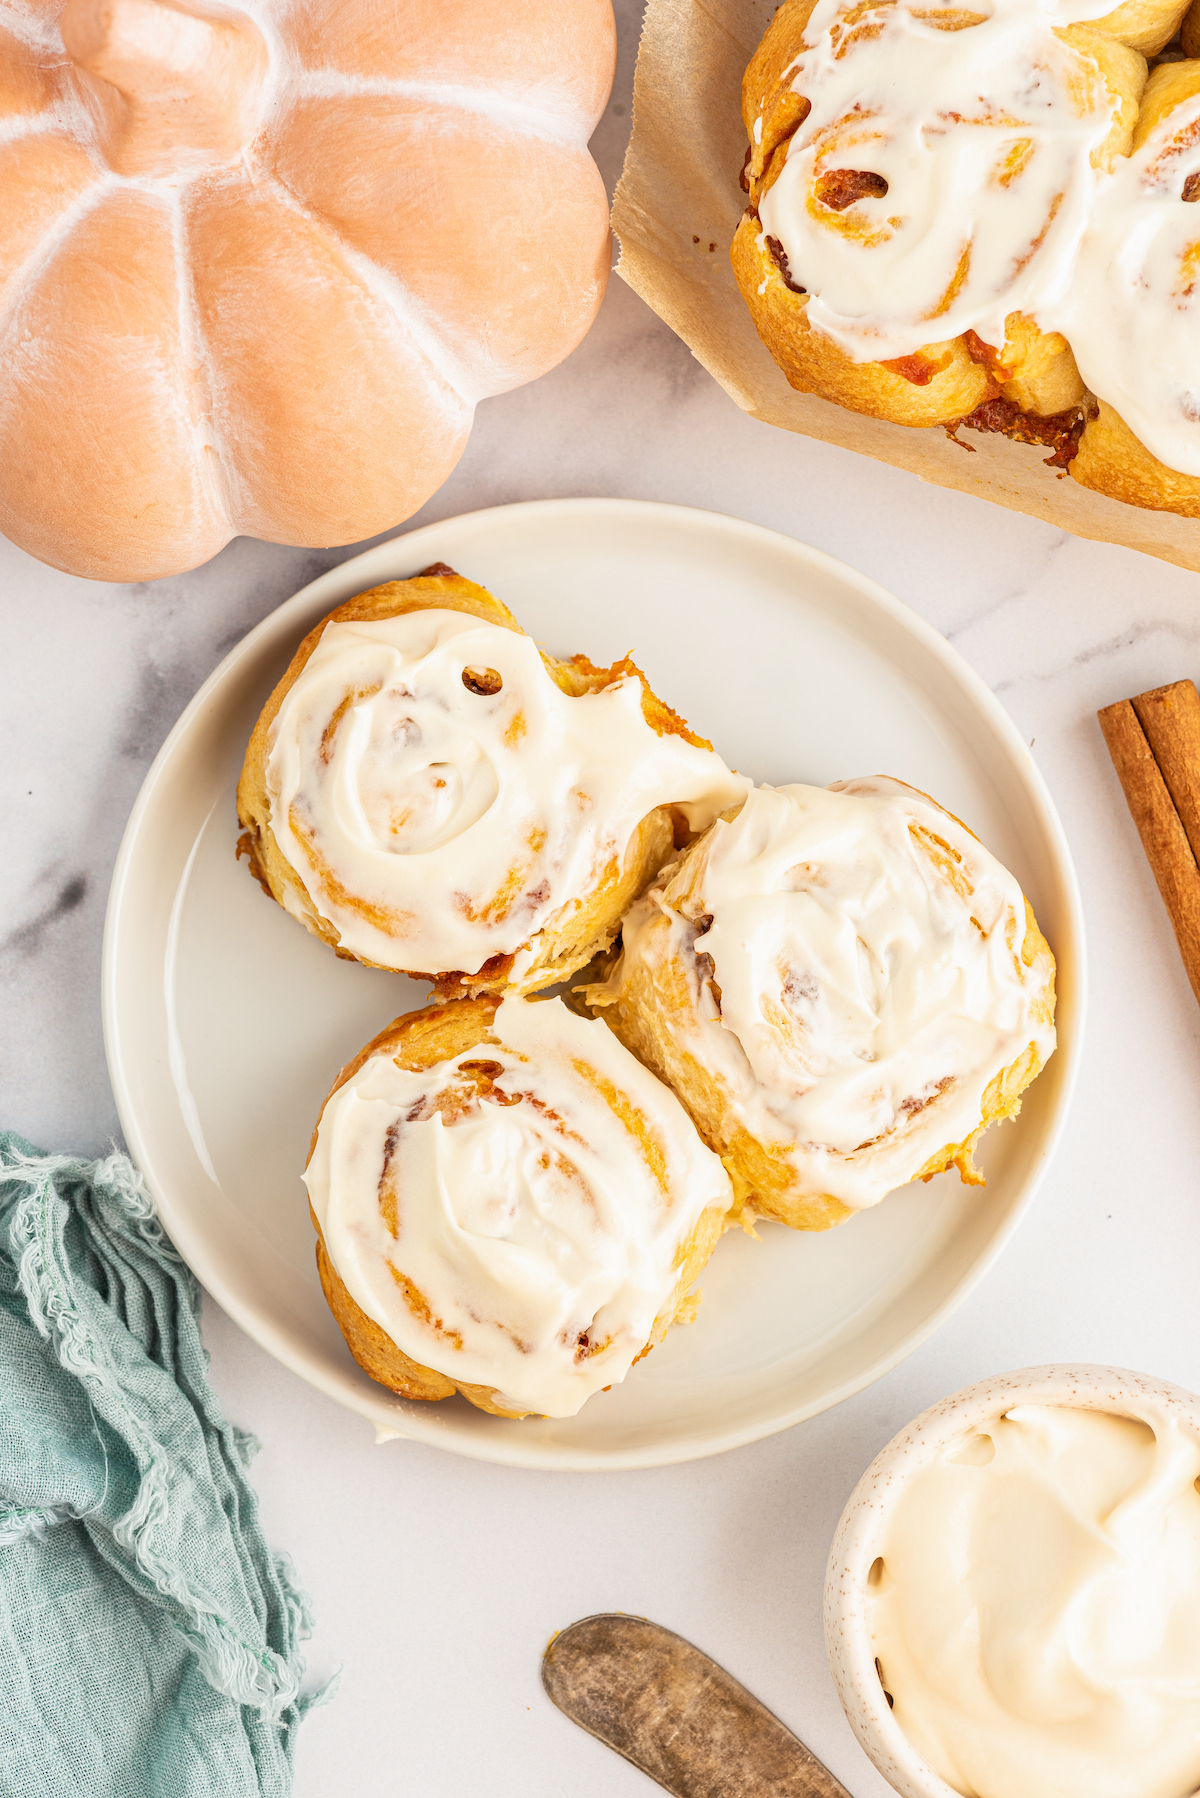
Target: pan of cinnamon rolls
[
  {"x": 666, "y": 1001},
  {"x": 984, "y": 215}
]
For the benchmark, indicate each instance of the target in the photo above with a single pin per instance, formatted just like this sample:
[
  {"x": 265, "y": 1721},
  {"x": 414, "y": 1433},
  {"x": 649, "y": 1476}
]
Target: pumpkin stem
[{"x": 173, "y": 86}]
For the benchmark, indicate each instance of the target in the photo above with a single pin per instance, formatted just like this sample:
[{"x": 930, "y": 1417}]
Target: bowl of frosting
[{"x": 1012, "y": 1602}]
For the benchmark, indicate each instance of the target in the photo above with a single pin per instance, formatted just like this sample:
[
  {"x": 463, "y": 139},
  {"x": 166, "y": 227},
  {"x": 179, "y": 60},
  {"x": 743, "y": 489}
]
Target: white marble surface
[{"x": 436, "y": 1581}]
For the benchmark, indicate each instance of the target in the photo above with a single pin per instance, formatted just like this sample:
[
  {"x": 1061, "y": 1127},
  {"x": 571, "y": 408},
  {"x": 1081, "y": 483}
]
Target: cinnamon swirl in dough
[
  {"x": 507, "y": 1204},
  {"x": 920, "y": 175},
  {"x": 844, "y": 988},
  {"x": 428, "y": 792}
]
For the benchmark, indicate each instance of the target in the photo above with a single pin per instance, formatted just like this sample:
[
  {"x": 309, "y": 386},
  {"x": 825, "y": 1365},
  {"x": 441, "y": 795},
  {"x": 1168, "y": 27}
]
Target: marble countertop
[{"x": 436, "y": 1581}]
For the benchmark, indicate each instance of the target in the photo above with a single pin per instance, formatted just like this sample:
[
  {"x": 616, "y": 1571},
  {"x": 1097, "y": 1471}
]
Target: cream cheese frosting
[
  {"x": 1036, "y": 1607},
  {"x": 983, "y": 140},
  {"x": 441, "y": 798},
  {"x": 527, "y": 1239},
  {"x": 858, "y": 980},
  {"x": 1133, "y": 313}
]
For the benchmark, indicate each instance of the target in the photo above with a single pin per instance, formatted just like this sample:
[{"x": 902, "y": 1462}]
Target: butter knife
[{"x": 674, "y": 1713}]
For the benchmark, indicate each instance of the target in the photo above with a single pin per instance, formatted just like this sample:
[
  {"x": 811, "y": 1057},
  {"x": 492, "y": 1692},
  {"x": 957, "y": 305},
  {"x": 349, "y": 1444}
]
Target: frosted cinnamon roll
[
  {"x": 920, "y": 177},
  {"x": 844, "y": 988},
  {"x": 508, "y": 1205},
  {"x": 1134, "y": 314},
  {"x": 427, "y": 792}
]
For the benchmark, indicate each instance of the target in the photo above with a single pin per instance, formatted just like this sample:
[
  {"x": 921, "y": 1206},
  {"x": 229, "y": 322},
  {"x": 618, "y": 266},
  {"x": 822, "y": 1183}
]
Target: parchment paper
[{"x": 680, "y": 183}]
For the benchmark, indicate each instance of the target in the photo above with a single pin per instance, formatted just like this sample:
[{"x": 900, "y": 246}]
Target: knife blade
[{"x": 676, "y": 1714}]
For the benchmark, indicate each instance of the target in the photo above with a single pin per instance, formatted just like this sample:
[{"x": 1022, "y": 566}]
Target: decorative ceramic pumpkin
[{"x": 258, "y": 265}]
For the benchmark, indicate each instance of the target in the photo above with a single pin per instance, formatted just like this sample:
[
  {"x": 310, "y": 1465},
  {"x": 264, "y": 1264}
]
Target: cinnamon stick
[{"x": 1154, "y": 741}]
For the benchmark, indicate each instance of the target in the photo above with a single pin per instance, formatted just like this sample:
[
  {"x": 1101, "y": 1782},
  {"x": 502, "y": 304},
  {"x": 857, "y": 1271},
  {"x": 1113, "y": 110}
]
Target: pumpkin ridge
[
  {"x": 52, "y": 119},
  {"x": 404, "y": 309},
  {"x": 559, "y": 125},
  {"x": 249, "y": 237},
  {"x": 28, "y": 124},
  {"x": 29, "y": 29},
  {"x": 123, "y": 449},
  {"x": 275, "y": 93},
  {"x": 213, "y": 463},
  {"x": 26, "y": 277}
]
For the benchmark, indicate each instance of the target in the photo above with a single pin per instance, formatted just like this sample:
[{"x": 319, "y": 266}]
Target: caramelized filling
[
  {"x": 449, "y": 986},
  {"x": 486, "y": 1073},
  {"x": 917, "y": 368},
  {"x": 839, "y": 188},
  {"x": 1059, "y": 431},
  {"x": 986, "y": 356},
  {"x": 484, "y": 681},
  {"x": 779, "y": 258},
  {"x": 917, "y": 1102}
]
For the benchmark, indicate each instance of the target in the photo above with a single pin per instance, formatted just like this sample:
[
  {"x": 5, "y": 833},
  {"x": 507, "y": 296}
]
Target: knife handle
[{"x": 676, "y": 1714}]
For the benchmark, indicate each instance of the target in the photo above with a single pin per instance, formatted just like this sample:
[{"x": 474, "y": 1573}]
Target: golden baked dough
[
  {"x": 585, "y": 924},
  {"x": 421, "y": 1042},
  {"x": 663, "y": 994},
  {"x": 1113, "y": 461},
  {"x": 1145, "y": 25},
  {"x": 1032, "y": 376}
]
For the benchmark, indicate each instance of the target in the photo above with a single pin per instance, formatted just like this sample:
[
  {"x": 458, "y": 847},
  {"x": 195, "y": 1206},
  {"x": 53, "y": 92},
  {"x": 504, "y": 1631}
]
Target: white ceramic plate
[{"x": 225, "y": 1022}]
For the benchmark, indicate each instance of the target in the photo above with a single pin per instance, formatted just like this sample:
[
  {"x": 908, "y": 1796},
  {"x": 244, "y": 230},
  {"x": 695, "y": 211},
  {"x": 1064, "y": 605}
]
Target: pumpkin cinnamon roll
[
  {"x": 920, "y": 175},
  {"x": 843, "y": 987},
  {"x": 427, "y": 792},
  {"x": 508, "y": 1205},
  {"x": 1134, "y": 311}
]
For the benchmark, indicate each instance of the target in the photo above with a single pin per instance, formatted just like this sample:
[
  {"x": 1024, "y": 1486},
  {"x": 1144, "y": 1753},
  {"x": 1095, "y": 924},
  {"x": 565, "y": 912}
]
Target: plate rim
[{"x": 506, "y": 1449}]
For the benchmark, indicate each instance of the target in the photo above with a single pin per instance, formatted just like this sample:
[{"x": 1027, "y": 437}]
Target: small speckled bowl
[{"x": 859, "y": 1536}]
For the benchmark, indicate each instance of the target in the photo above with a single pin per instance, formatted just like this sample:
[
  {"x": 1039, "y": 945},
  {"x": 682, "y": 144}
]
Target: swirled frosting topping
[
  {"x": 1036, "y": 1607},
  {"x": 858, "y": 979},
  {"x": 514, "y": 1217},
  {"x": 943, "y": 176},
  {"x": 1133, "y": 315},
  {"x": 441, "y": 798}
]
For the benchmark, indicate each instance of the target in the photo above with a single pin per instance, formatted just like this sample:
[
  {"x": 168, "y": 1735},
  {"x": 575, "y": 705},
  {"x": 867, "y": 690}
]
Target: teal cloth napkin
[{"x": 148, "y": 1637}]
